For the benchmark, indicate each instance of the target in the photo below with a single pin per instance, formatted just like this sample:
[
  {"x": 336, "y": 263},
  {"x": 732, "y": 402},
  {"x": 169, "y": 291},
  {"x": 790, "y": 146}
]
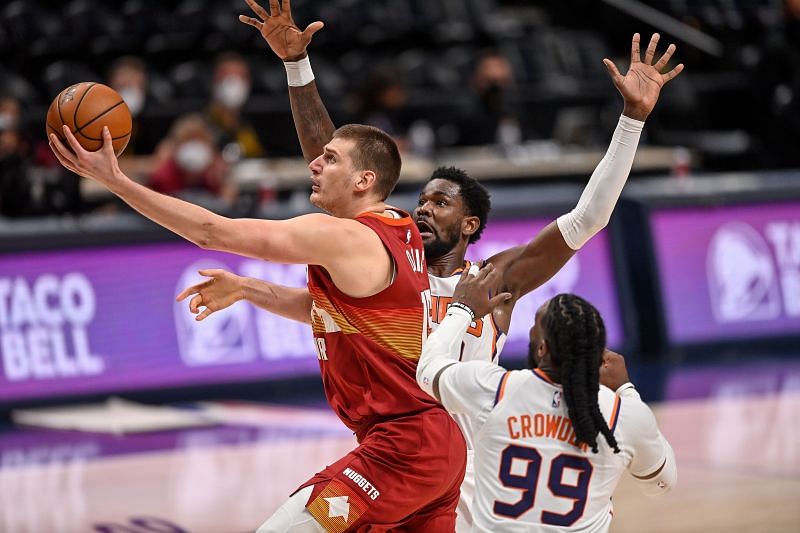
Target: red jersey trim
[{"x": 405, "y": 221}]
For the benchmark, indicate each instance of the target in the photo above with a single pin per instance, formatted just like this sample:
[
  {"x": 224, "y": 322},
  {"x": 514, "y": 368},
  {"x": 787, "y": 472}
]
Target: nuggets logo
[
  {"x": 225, "y": 337},
  {"x": 337, "y": 507}
]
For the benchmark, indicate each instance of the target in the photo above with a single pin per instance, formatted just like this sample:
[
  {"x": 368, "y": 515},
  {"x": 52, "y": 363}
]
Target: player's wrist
[
  {"x": 635, "y": 113},
  {"x": 295, "y": 58},
  {"x": 298, "y": 72},
  {"x": 461, "y": 308}
]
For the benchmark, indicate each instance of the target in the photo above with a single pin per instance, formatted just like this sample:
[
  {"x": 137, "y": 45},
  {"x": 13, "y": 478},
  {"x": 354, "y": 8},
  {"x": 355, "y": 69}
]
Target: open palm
[
  {"x": 279, "y": 30},
  {"x": 641, "y": 86}
]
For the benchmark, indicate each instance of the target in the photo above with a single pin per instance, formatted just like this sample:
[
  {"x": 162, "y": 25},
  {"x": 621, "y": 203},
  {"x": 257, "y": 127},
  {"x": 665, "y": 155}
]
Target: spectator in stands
[
  {"x": 381, "y": 102},
  {"x": 192, "y": 162},
  {"x": 231, "y": 88},
  {"x": 27, "y": 186},
  {"x": 128, "y": 76},
  {"x": 493, "y": 118}
]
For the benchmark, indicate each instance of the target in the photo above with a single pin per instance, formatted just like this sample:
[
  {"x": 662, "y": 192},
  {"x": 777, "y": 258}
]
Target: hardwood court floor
[{"x": 739, "y": 468}]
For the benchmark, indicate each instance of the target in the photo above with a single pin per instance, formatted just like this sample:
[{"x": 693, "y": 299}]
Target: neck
[
  {"x": 362, "y": 206},
  {"x": 448, "y": 263},
  {"x": 553, "y": 373}
]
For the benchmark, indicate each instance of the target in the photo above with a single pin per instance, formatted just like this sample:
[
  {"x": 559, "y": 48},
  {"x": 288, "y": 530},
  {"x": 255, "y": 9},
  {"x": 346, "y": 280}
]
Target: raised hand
[
  {"x": 479, "y": 291},
  {"x": 279, "y": 30},
  {"x": 641, "y": 85},
  {"x": 613, "y": 373},
  {"x": 221, "y": 291},
  {"x": 100, "y": 166}
]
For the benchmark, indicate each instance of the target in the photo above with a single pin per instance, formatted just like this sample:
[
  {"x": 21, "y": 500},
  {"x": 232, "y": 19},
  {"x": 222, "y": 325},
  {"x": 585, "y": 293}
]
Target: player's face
[
  {"x": 332, "y": 176},
  {"x": 439, "y": 216},
  {"x": 536, "y": 339}
]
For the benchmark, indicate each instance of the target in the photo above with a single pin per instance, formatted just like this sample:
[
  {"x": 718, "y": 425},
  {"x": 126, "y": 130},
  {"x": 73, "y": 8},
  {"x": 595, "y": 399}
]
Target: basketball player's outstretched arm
[
  {"x": 463, "y": 387},
  {"x": 223, "y": 289},
  {"x": 527, "y": 267},
  {"x": 352, "y": 253},
  {"x": 311, "y": 120}
]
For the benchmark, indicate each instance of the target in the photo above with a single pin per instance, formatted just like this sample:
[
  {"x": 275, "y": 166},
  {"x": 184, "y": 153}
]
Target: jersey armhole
[{"x": 501, "y": 389}]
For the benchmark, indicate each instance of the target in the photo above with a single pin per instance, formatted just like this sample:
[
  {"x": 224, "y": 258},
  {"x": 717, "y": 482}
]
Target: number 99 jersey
[{"x": 531, "y": 474}]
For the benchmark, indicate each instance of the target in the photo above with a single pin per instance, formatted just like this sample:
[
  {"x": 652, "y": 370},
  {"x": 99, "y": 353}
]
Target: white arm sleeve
[
  {"x": 469, "y": 387},
  {"x": 653, "y": 465},
  {"x": 602, "y": 192},
  {"x": 442, "y": 348}
]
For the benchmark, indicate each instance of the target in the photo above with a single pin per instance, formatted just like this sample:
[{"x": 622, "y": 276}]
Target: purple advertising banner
[
  {"x": 730, "y": 272},
  {"x": 589, "y": 274},
  {"x": 104, "y": 320}
]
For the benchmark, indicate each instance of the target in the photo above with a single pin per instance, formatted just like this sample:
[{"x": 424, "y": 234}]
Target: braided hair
[{"x": 576, "y": 336}]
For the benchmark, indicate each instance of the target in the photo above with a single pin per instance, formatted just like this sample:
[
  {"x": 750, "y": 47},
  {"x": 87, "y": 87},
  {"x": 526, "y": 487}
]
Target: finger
[
  {"x": 665, "y": 58},
  {"x": 499, "y": 299},
  {"x": 312, "y": 28},
  {"x": 210, "y": 272},
  {"x": 613, "y": 71},
  {"x": 651, "y": 49},
  {"x": 73, "y": 142},
  {"x": 257, "y": 9},
  {"x": 635, "y": 55},
  {"x": 195, "y": 303},
  {"x": 485, "y": 272},
  {"x": 274, "y": 8},
  {"x": 286, "y": 7},
  {"x": 187, "y": 291},
  {"x": 108, "y": 142},
  {"x": 672, "y": 74},
  {"x": 206, "y": 312},
  {"x": 250, "y": 21},
  {"x": 63, "y": 153}
]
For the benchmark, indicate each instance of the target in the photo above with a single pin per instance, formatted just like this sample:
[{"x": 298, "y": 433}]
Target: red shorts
[{"x": 405, "y": 475}]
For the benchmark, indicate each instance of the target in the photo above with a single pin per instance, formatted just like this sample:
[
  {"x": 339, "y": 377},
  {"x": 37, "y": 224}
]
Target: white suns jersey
[
  {"x": 529, "y": 473},
  {"x": 482, "y": 342}
]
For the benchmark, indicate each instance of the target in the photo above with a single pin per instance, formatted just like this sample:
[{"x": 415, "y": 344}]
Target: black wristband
[{"x": 465, "y": 307}]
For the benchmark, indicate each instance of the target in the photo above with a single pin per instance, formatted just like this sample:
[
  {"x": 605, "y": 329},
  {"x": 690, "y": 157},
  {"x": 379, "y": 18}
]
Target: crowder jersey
[
  {"x": 531, "y": 474},
  {"x": 368, "y": 348},
  {"x": 483, "y": 341}
]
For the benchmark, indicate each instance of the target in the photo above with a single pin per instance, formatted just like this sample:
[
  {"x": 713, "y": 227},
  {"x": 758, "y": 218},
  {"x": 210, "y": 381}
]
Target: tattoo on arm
[{"x": 311, "y": 120}]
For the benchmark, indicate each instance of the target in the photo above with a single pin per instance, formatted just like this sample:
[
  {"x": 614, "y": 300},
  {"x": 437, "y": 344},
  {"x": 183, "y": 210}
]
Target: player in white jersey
[
  {"x": 540, "y": 461},
  {"x": 453, "y": 209}
]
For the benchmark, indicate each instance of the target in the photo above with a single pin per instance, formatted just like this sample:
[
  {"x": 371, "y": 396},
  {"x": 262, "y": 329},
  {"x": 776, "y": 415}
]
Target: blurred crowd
[{"x": 469, "y": 73}]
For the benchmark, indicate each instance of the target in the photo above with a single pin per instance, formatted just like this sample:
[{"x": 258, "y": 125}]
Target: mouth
[
  {"x": 425, "y": 230},
  {"x": 314, "y": 185}
]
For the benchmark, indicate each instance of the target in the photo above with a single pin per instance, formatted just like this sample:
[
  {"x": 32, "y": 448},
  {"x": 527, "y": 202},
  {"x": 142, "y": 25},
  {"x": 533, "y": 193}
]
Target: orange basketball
[{"x": 85, "y": 108}]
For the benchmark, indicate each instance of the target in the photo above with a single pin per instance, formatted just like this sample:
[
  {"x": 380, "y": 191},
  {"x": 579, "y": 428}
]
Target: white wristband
[{"x": 299, "y": 73}]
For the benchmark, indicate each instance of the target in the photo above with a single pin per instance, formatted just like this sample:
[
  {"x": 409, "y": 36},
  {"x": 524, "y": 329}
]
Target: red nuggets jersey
[
  {"x": 369, "y": 347},
  {"x": 406, "y": 471}
]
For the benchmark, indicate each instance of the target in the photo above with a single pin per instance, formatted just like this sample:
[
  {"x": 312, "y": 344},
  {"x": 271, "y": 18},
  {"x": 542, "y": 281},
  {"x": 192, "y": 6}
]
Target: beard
[{"x": 439, "y": 247}]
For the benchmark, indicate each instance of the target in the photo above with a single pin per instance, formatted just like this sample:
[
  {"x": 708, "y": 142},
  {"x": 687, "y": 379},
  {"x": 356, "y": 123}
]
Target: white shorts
[{"x": 464, "y": 510}]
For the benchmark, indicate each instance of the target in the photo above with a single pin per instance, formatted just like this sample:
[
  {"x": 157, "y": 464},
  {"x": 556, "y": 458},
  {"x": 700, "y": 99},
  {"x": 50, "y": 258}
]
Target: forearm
[
  {"x": 604, "y": 188},
  {"x": 194, "y": 223},
  {"x": 442, "y": 349},
  {"x": 288, "y": 302},
  {"x": 311, "y": 120}
]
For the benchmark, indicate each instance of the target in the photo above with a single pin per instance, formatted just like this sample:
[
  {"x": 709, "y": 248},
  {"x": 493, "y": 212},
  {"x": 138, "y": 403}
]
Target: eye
[
  {"x": 420, "y": 202},
  {"x": 441, "y": 203},
  {"x": 330, "y": 158}
]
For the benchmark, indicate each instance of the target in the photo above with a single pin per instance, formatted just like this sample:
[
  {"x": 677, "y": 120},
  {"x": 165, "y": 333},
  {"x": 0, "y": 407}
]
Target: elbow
[{"x": 208, "y": 236}]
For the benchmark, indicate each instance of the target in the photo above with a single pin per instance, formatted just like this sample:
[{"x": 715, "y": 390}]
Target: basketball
[{"x": 85, "y": 108}]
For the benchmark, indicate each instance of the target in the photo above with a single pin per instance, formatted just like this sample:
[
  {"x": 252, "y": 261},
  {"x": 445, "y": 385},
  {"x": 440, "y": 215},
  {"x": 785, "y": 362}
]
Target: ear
[
  {"x": 469, "y": 225},
  {"x": 543, "y": 348},
  {"x": 365, "y": 180}
]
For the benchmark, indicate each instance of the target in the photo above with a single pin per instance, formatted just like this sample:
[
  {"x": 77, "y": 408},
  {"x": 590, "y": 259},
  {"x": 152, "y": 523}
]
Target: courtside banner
[
  {"x": 729, "y": 273},
  {"x": 104, "y": 320}
]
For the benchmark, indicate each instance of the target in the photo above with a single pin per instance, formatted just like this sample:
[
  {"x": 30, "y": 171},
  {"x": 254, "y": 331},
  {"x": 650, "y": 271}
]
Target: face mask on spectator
[
  {"x": 231, "y": 91},
  {"x": 194, "y": 156},
  {"x": 7, "y": 121},
  {"x": 134, "y": 98}
]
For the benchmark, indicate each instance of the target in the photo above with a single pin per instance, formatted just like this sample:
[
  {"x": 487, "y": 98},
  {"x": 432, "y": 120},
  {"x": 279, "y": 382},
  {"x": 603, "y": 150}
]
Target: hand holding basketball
[{"x": 100, "y": 166}]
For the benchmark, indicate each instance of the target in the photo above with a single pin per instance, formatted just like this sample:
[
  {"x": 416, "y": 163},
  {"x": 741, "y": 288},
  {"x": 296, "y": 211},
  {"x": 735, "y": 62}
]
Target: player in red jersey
[{"x": 370, "y": 315}]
